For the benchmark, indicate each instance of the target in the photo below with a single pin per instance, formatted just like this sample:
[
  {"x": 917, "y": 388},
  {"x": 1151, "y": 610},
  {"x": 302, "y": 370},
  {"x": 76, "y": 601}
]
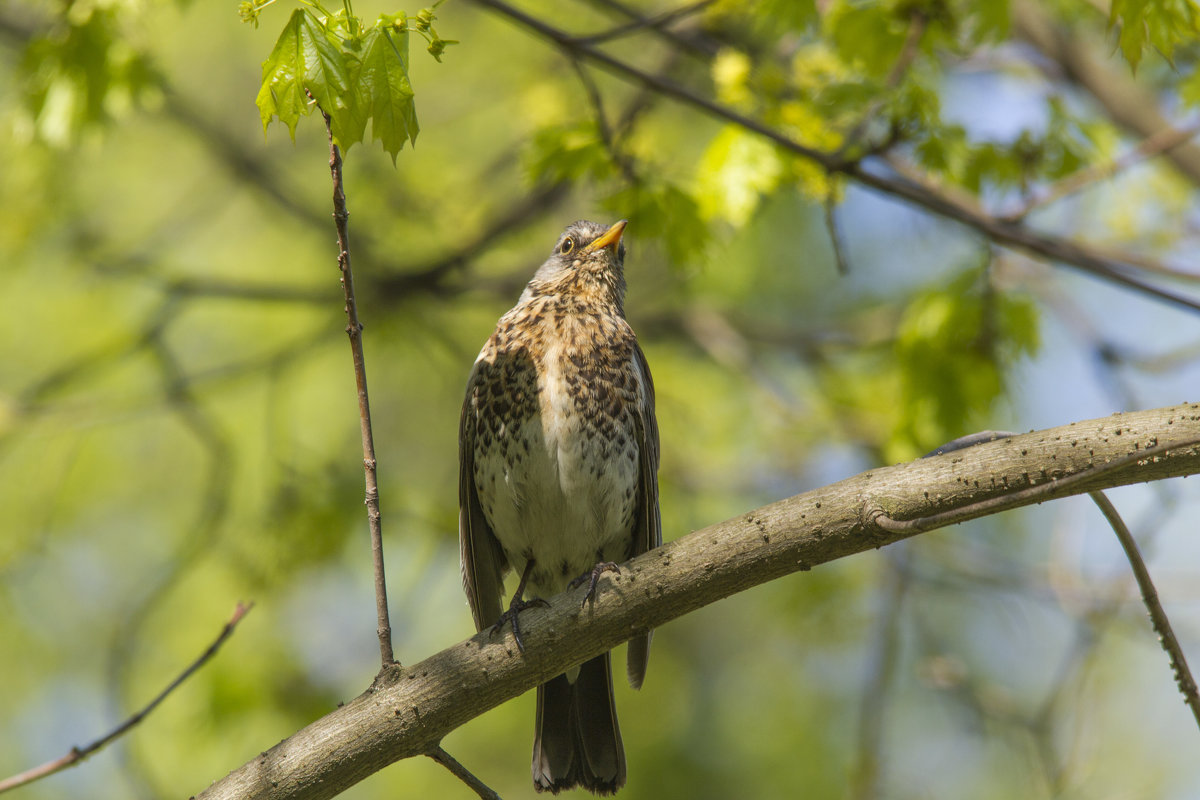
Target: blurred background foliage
[{"x": 178, "y": 428}]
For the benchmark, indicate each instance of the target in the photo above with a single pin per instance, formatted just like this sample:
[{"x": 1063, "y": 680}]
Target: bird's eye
[{"x": 568, "y": 244}]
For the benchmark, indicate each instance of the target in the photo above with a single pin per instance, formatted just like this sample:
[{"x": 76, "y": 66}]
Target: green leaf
[
  {"x": 954, "y": 347},
  {"x": 1161, "y": 24},
  {"x": 794, "y": 15},
  {"x": 990, "y": 20},
  {"x": 282, "y": 92},
  {"x": 309, "y": 59},
  {"x": 387, "y": 90},
  {"x": 569, "y": 153},
  {"x": 327, "y": 78},
  {"x": 1128, "y": 13},
  {"x": 1189, "y": 89},
  {"x": 737, "y": 169},
  {"x": 867, "y": 36}
]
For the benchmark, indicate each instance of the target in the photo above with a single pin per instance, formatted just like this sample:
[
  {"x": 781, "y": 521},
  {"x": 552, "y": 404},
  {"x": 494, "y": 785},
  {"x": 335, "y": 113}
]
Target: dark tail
[{"x": 577, "y": 741}]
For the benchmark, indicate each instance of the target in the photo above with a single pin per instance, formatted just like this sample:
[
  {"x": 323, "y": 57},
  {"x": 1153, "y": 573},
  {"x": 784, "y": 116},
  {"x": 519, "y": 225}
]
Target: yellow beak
[{"x": 609, "y": 238}]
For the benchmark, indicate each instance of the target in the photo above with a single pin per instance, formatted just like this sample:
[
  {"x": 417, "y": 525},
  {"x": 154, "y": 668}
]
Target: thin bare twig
[
  {"x": 1158, "y": 617},
  {"x": 78, "y": 754},
  {"x": 341, "y": 219},
  {"x": 463, "y": 774}
]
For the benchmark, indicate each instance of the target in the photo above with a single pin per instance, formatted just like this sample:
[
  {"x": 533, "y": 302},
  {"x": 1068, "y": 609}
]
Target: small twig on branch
[
  {"x": 463, "y": 774},
  {"x": 1158, "y": 616},
  {"x": 1018, "y": 498},
  {"x": 78, "y": 754},
  {"x": 341, "y": 218},
  {"x": 410, "y": 716}
]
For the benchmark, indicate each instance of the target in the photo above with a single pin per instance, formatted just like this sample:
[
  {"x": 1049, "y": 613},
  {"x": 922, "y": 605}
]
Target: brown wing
[
  {"x": 647, "y": 530},
  {"x": 483, "y": 562}
]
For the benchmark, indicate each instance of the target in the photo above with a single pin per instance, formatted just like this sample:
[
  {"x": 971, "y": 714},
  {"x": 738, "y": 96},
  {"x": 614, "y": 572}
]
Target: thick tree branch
[{"x": 409, "y": 714}]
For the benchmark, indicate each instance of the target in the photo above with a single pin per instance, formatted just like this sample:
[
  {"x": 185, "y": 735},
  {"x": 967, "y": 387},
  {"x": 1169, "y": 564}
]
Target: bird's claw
[
  {"x": 591, "y": 578},
  {"x": 513, "y": 615}
]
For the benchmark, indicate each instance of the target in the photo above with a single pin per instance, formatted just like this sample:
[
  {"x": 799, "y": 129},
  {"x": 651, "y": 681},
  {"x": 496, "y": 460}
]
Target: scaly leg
[
  {"x": 516, "y": 606},
  {"x": 590, "y": 579}
]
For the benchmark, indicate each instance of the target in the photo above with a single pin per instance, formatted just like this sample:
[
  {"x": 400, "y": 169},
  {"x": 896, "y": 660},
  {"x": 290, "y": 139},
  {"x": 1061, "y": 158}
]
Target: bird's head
[{"x": 588, "y": 261}]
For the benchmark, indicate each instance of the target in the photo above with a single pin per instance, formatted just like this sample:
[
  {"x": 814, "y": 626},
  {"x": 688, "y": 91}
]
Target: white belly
[{"x": 556, "y": 489}]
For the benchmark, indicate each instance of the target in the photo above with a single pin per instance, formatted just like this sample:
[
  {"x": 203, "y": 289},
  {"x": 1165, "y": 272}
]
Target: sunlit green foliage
[
  {"x": 1159, "y": 24},
  {"x": 353, "y": 73},
  {"x": 954, "y": 347}
]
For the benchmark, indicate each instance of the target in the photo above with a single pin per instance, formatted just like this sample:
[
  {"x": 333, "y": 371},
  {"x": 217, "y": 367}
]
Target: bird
[{"x": 558, "y": 482}]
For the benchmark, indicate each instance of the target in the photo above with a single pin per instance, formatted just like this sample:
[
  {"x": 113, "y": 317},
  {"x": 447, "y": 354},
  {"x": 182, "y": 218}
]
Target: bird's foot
[
  {"x": 590, "y": 578},
  {"x": 513, "y": 615}
]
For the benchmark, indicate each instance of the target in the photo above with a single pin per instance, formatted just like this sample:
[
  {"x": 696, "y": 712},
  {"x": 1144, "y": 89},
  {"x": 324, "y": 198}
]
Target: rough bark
[{"x": 410, "y": 709}]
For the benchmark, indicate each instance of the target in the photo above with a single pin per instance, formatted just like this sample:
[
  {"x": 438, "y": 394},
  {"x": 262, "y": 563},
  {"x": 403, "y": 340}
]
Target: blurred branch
[
  {"x": 341, "y": 218},
  {"x": 919, "y": 194},
  {"x": 430, "y": 277},
  {"x": 1030, "y": 494},
  {"x": 638, "y": 22},
  {"x": 950, "y": 203},
  {"x": 414, "y": 709},
  {"x": 1129, "y": 105},
  {"x": 624, "y": 162},
  {"x": 881, "y": 666},
  {"x": 78, "y": 754},
  {"x": 463, "y": 774},
  {"x": 236, "y": 157},
  {"x": 1161, "y": 142},
  {"x": 696, "y": 44},
  {"x": 1158, "y": 616},
  {"x": 835, "y": 236},
  {"x": 181, "y": 400},
  {"x": 400, "y": 280}
]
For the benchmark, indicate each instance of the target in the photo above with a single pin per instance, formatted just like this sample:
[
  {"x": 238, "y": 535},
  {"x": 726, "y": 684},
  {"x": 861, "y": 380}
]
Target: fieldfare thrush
[{"x": 558, "y": 459}]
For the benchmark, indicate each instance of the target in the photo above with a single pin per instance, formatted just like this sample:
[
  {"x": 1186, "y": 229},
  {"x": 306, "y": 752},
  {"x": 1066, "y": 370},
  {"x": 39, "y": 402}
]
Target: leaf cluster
[
  {"x": 1160, "y": 25},
  {"x": 354, "y": 73}
]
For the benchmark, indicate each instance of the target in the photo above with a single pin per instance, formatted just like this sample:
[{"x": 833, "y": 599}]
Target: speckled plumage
[{"x": 558, "y": 465}]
